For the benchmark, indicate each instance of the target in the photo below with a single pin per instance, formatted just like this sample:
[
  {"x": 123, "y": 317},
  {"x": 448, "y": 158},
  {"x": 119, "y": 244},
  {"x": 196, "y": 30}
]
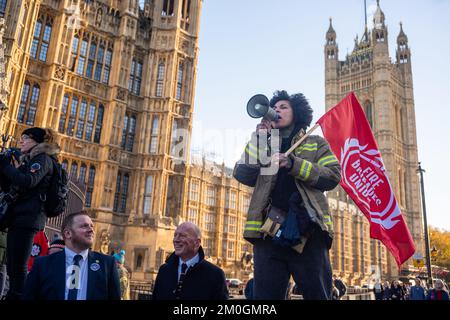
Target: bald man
[{"x": 186, "y": 275}]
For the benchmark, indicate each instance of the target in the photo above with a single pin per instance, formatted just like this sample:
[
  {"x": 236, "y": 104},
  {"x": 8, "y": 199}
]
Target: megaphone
[{"x": 259, "y": 107}]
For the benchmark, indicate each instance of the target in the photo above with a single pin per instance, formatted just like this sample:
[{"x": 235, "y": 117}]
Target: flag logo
[{"x": 364, "y": 173}]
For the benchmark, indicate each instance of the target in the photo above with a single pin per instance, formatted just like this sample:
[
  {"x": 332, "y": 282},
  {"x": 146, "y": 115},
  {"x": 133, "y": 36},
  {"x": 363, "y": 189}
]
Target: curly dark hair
[{"x": 303, "y": 113}]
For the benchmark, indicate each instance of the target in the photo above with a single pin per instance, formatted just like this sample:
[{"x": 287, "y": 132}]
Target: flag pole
[{"x": 287, "y": 153}]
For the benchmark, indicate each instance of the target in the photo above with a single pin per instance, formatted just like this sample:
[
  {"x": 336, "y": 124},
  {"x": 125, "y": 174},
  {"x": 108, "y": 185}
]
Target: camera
[{"x": 10, "y": 153}]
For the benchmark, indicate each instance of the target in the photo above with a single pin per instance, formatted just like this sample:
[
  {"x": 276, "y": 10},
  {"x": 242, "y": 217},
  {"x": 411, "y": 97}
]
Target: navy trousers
[{"x": 274, "y": 265}]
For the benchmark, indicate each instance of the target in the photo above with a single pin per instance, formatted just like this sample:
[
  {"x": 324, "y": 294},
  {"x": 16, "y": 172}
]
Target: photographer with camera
[{"x": 25, "y": 182}]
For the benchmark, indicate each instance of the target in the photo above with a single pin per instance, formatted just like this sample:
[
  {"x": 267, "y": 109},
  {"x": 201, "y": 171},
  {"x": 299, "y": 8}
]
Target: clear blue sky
[{"x": 258, "y": 46}]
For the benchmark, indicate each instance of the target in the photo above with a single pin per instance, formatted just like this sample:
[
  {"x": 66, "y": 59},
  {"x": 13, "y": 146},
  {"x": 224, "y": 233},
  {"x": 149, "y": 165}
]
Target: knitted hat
[
  {"x": 36, "y": 133},
  {"x": 120, "y": 257},
  {"x": 58, "y": 243}
]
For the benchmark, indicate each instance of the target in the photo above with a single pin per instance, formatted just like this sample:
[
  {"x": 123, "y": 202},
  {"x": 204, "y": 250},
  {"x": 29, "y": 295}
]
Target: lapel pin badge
[{"x": 95, "y": 266}]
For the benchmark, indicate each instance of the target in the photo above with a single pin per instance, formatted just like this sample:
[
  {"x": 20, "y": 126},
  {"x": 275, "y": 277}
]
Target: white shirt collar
[
  {"x": 70, "y": 254},
  {"x": 190, "y": 262}
]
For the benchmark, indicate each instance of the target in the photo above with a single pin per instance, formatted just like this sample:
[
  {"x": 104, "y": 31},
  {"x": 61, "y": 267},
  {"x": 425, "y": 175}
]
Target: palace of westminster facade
[{"x": 116, "y": 80}]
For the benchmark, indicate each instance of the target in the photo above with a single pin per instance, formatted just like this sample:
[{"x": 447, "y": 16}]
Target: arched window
[
  {"x": 72, "y": 116},
  {"x": 134, "y": 84},
  {"x": 160, "y": 80},
  {"x": 139, "y": 260},
  {"x": 120, "y": 197},
  {"x": 131, "y": 134},
  {"x": 82, "y": 56},
  {"x": 123, "y": 200},
  {"x": 168, "y": 8},
  {"x": 36, "y": 37},
  {"x": 63, "y": 116},
  {"x": 124, "y": 131},
  {"x": 33, "y": 104},
  {"x": 91, "y": 61},
  {"x": 45, "y": 42},
  {"x": 81, "y": 119},
  {"x": 98, "y": 126},
  {"x": 117, "y": 193},
  {"x": 65, "y": 164},
  {"x": 148, "y": 195},
  {"x": 128, "y": 132},
  {"x": 107, "y": 66},
  {"x": 154, "y": 135},
  {"x": 3, "y": 4},
  {"x": 90, "y": 186},
  {"x": 75, "y": 44},
  {"x": 82, "y": 114},
  {"x": 185, "y": 14},
  {"x": 82, "y": 174},
  {"x": 180, "y": 81},
  {"x": 73, "y": 170},
  {"x": 23, "y": 102},
  {"x": 90, "y": 121}
]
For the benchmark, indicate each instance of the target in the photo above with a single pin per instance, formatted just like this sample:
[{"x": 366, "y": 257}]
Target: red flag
[
  {"x": 40, "y": 248},
  {"x": 348, "y": 132}
]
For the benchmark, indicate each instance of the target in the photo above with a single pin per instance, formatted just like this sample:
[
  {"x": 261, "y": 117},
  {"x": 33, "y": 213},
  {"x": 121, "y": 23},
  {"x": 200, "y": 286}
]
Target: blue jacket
[{"x": 417, "y": 293}]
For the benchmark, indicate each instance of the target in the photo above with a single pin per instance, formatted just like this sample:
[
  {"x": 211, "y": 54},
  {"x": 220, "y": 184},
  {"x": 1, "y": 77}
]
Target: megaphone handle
[{"x": 287, "y": 153}]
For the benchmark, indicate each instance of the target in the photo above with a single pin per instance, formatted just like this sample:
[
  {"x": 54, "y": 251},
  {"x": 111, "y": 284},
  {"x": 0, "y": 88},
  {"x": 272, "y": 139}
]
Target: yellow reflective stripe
[
  {"x": 302, "y": 168},
  {"x": 255, "y": 223},
  {"x": 306, "y": 147},
  {"x": 308, "y": 172},
  {"x": 253, "y": 226},
  {"x": 251, "y": 153},
  {"x": 331, "y": 161},
  {"x": 251, "y": 146},
  {"x": 329, "y": 221},
  {"x": 326, "y": 160}
]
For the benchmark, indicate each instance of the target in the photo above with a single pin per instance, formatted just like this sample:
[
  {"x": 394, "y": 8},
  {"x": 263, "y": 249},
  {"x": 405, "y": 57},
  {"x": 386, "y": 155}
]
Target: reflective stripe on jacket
[{"x": 314, "y": 167}]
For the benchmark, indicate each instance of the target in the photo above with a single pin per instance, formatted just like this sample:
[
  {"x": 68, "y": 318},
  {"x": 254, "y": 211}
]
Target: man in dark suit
[
  {"x": 186, "y": 275},
  {"x": 75, "y": 273}
]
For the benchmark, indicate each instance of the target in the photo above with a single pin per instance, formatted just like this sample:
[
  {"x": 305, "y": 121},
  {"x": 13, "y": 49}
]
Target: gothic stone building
[{"x": 385, "y": 90}]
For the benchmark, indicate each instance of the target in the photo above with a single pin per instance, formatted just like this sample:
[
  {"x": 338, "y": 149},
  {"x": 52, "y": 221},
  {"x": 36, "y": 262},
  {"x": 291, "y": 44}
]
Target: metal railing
[{"x": 141, "y": 291}]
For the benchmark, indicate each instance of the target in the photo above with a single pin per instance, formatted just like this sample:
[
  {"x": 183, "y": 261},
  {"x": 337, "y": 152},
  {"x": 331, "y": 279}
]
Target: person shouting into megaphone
[{"x": 288, "y": 221}]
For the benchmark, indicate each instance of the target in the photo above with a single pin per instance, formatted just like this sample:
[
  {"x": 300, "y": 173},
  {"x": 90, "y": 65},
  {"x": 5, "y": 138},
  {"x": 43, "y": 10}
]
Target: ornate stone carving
[
  {"x": 112, "y": 155},
  {"x": 60, "y": 73},
  {"x": 121, "y": 94}
]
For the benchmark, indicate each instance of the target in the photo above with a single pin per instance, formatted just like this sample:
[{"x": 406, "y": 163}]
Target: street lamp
[{"x": 425, "y": 225}]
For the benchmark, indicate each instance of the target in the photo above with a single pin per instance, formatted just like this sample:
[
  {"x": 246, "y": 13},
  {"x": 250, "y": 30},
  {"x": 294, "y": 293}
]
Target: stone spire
[{"x": 379, "y": 18}]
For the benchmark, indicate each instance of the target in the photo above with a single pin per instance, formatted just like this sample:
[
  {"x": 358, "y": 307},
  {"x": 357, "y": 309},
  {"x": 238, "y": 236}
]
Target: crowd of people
[
  {"x": 397, "y": 290},
  {"x": 291, "y": 238}
]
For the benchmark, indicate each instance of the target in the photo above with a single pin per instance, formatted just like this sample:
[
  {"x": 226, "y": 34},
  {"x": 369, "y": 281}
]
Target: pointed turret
[
  {"x": 379, "y": 18},
  {"x": 403, "y": 52},
  {"x": 331, "y": 34},
  {"x": 402, "y": 38}
]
